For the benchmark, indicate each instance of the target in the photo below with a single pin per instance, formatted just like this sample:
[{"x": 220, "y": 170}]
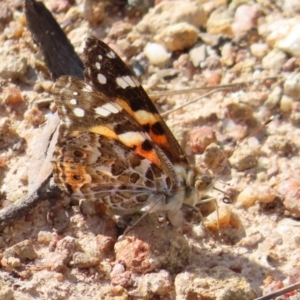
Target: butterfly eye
[
  {"x": 78, "y": 153},
  {"x": 77, "y": 177},
  {"x": 203, "y": 182}
]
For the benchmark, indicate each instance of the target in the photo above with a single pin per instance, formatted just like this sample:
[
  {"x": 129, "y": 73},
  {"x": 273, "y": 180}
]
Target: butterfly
[{"x": 114, "y": 146}]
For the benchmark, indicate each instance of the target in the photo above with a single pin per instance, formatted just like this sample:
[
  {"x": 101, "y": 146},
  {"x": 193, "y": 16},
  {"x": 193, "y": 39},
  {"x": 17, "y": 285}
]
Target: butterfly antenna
[
  {"x": 259, "y": 128},
  {"x": 166, "y": 113},
  {"x": 212, "y": 89}
]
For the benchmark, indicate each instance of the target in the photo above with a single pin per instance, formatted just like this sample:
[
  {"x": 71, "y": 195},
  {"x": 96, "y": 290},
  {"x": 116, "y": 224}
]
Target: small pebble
[
  {"x": 274, "y": 60},
  {"x": 295, "y": 114},
  {"x": 282, "y": 146},
  {"x": 213, "y": 156},
  {"x": 235, "y": 130},
  {"x": 259, "y": 50},
  {"x": 168, "y": 13},
  {"x": 219, "y": 219},
  {"x": 223, "y": 283},
  {"x": 289, "y": 190},
  {"x": 274, "y": 97},
  {"x": 219, "y": 22},
  {"x": 290, "y": 65},
  {"x": 271, "y": 285},
  {"x": 128, "y": 48},
  {"x": 6, "y": 13},
  {"x": 119, "y": 276},
  {"x": 251, "y": 241},
  {"x": 157, "y": 283},
  {"x": 243, "y": 159},
  {"x": 12, "y": 95},
  {"x": 45, "y": 237},
  {"x": 294, "y": 275},
  {"x": 34, "y": 116},
  {"x": 228, "y": 55},
  {"x": 38, "y": 87},
  {"x": 212, "y": 78},
  {"x": 291, "y": 87},
  {"x": 290, "y": 43},
  {"x": 13, "y": 262},
  {"x": 198, "y": 54},
  {"x": 60, "y": 6},
  {"x": 63, "y": 254},
  {"x": 119, "y": 29},
  {"x": 83, "y": 260},
  {"x": 14, "y": 30},
  {"x": 277, "y": 30},
  {"x": 261, "y": 193},
  {"x": 14, "y": 255},
  {"x": 2, "y": 161},
  {"x": 239, "y": 111},
  {"x": 245, "y": 18},
  {"x": 13, "y": 67},
  {"x": 179, "y": 36},
  {"x": 212, "y": 62},
  {"x": 105, "y": 244},
  {"x": 200, "y": 138},
  {"x": 291, "y": 7},
  {"x": 157, "y": 54},
  {"x": 47, "y": 85},
  {"x": 185, "y": 66},
  {"x": 286, "y": 104}
]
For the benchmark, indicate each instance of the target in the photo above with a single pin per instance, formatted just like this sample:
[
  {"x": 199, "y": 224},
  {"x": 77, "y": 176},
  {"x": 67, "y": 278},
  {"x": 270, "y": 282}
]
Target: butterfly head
[
  {"x": 203, "y": 183},
  {"x": 196, "y": 183}
]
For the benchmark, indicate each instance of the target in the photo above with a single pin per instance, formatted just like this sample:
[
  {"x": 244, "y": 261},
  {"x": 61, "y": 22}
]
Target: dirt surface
[{"x": 250, "y": 244}]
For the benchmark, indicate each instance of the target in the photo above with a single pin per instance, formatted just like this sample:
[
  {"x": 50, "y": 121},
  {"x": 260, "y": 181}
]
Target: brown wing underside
[{"x": 97, "y": 168}]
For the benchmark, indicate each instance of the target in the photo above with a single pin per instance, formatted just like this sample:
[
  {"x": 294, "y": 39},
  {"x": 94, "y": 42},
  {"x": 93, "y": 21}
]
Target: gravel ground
[{"x": 249, "y": 246}]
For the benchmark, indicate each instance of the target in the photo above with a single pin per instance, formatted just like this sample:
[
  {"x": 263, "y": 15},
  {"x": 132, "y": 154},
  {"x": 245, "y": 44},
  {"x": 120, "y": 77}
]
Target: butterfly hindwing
[{"x": 94, "y": 167}]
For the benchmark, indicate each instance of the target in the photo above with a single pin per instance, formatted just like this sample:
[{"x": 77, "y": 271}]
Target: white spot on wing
[
  {"x": 98, "y": 65},
  {"x": 126, "y": 81},
  {"x": 145, "y": 116},
  {"x": 130, "y": 81},
  {"x": 102, "y": 111},
  {"x": 87, "y": 88},
  {"x": 73, "y": 101},
  {"x": 101, "y": 78},
  {"x": 100, "y": 56},
  {"x": 75, "y": 93},
  {"x": 111, "y": 54},
  {"x": 113, "y": 107},
  {"x": 131, "y": 138},
  {"x": 121, "y": 82},
  {"x": 108, "y": 108},
  {"x": 78, "y": 112}
]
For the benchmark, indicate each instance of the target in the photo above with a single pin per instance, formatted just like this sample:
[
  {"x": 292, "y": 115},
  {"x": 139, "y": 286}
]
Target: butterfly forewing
[
  {"x": 109, "y": 74},
  {"x": 82, "y": 107}
]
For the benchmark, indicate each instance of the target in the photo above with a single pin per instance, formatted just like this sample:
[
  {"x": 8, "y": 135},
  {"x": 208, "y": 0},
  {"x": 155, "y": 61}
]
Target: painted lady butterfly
[{"x": 114, "y": 146}]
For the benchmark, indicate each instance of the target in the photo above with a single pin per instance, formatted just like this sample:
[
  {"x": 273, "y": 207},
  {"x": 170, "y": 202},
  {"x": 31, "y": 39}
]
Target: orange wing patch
[{"x": 150, "y": 123}]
